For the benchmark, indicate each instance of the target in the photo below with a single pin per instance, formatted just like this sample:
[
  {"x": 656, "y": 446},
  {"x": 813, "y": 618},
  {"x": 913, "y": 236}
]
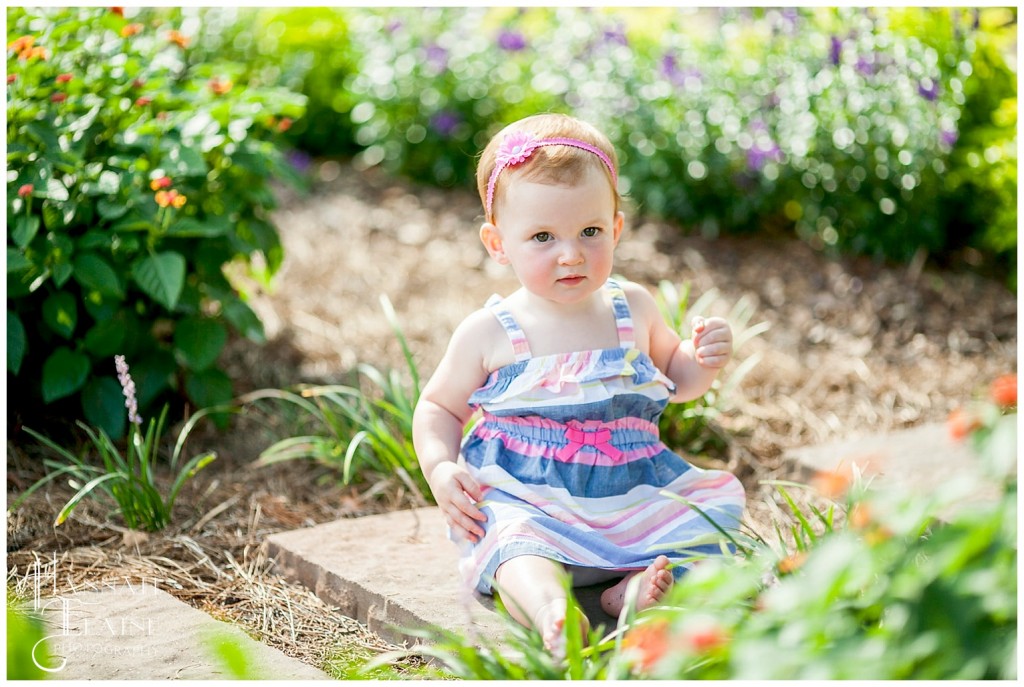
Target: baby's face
[{"x": 560, "y": 240}]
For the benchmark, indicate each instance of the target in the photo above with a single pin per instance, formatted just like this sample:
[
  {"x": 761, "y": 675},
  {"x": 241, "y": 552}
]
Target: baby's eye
[
  {"x": 542, "y": 237},
  {"x": 590, "y": 232}
]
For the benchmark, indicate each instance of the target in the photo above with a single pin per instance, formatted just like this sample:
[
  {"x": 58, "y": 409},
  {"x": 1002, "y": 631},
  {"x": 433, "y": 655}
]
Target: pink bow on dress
[{"x": 578, "y": 438}]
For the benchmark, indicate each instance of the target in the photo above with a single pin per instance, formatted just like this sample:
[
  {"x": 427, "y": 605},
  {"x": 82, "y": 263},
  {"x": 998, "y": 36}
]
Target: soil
[{"x": 853, "y": 346}]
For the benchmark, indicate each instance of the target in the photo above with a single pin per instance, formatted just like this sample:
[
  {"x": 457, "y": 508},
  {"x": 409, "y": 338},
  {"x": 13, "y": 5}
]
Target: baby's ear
[{"x": 491, "y": 239}]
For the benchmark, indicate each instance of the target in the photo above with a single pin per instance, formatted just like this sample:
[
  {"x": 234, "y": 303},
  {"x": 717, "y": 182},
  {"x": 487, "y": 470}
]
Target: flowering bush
[
  {"x": 134, "y": 175},
  {"x": 878, "y": 131}
]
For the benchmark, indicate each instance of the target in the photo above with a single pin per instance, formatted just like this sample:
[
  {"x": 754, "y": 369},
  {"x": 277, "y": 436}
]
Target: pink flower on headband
[{"x": 515, "y": 148}]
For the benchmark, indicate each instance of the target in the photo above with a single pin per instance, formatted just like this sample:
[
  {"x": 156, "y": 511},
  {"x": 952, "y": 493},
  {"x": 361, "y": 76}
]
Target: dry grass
[{"x": 854, "y": 347}]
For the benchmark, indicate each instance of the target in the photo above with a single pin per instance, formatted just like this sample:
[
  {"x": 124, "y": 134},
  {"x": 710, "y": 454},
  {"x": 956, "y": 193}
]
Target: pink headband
[{"x": 518, "y": 145}]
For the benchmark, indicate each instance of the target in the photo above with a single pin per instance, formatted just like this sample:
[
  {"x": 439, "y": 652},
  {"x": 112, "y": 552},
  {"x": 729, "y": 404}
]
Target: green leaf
[
  {"x": 106, "y": 337},
  {"x": 16, "y": 262},
  {"x": 186, "y": 162},
  {"x": 161, "y": 276},
  {"x": 17, "y": 342},
  {"x": 60, "y": 313},
  {"x": 152, "y": 376},
  {"x": 55, "y": 190},
  {"x": 103, "y": 406},
  {"x": 198, "y": 341},
  {"x": 189, "y": 227},
  {"x": 94, "y": 273},
  {"x": 110, "y": 209},
  {"x": 53, "y": 217},
  {"x": 210, "y": 387},
  {"x": 25, "y": 229},
  {"x": 244, "y": 320},
  {"x": 64, "y": 373}
]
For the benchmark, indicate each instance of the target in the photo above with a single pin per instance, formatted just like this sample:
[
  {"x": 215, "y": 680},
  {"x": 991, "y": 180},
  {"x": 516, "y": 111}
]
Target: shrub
[
  {"x": 134, "y": 175},
  {"x": 305, "y": 49}
]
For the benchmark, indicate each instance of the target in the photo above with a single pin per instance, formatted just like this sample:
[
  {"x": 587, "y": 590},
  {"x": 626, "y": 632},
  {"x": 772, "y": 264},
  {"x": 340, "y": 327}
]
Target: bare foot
[
  {"x": 550, "y": 622},
  {"x": 655, "y": 581}
]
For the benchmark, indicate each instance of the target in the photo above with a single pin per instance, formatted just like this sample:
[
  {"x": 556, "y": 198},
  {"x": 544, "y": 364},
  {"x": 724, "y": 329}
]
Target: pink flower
[
  {"x": 128, "y": 388},
  {"x": 514, "y": 148},
  {"x": 58, "y": 97},
  {"x": 64, "y": 78},
  {"x": 25, "y": 190}
]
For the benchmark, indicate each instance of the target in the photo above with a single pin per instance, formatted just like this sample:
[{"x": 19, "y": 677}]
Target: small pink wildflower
[{"x": 128, "y": 387}]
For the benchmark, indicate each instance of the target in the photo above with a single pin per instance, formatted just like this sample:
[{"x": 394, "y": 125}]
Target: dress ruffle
[{"x": 564, "y": 375}]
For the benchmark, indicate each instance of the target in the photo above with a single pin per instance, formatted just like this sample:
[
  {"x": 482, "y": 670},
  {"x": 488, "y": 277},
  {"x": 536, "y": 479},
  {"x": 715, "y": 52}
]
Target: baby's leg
[
  {"x": 532, "y": 590},
  {"x": 654, "y": 583}
]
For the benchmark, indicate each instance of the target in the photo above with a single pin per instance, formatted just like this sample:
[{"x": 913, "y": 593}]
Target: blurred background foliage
[
  {"x": 883, "y": 132},
  {"x": 863, "y": 130}
]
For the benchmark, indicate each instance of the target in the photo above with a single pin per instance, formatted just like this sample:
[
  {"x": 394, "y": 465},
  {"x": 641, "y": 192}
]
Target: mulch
[{"x": 854, "y": 346}]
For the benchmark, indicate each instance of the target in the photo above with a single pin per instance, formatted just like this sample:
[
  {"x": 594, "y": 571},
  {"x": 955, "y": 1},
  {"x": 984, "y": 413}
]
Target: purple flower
[
  {"x": 928, "y": 89},
  {"x": 865, "y": 66},
  {"x": 393, "y": 26},
  {"x": 299, "y": 160},
  {"x": 836, "y": 50},
  {"x": 437, "y": 56},
  {"x": 512, "y": 41},
  {"x": 128, "y": 388},
  {"x": 616, "y": 34},
  {"x": 764, "y": 148},
  {"x": 949, "y": 137},
  {"x": 444, "y": 122},
  {"x": 676, "y": 76}
]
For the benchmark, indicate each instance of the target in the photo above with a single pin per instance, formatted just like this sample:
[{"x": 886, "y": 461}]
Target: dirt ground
[{"x": 853, "y": 347}]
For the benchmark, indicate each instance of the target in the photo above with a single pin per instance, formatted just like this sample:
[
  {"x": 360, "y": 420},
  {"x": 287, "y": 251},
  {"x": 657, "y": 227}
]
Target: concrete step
[
  {"x": 395, "y": 572},
  {"x": 398, "y": 570},
  {"x": 141, "y": 632}
]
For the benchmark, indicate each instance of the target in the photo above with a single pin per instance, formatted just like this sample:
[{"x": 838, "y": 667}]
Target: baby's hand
[
  {"x": 712, "y": 342},
  {"x": 453, "y": 486}
]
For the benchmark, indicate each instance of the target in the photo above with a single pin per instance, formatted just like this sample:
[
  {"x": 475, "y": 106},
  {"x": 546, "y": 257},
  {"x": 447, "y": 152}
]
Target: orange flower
[
  {"x": 962, "y": 422},
  {"x": 832, "y": 485},
  {"x": 64, "y": 78},
  {"x": 162, "y": 182},
  {"x": 58, "y": 97},
  {"x": 38, "y": 51},
  {"x": 176, "y": 37},
  {"x": 23, "y": 44},
  {"x": 220, "y": 87},
  {"x": 648, "y": 643},
  {"x": 791, "y": 564},
  {"x": 285, "y": 124},
  {"x": 1003, "y": 391},
  {"x": 25, "y": 190},
  {"x": 119, "y": 11},
  {"x": 11, "y": 78},
  {"x": 169, "y": 198},
  {"x": 704, "y": 635},
  {"x": 859, "y": 516},
  {"x": 129, "y": 30},
  {"x": 143, "y": 101}
]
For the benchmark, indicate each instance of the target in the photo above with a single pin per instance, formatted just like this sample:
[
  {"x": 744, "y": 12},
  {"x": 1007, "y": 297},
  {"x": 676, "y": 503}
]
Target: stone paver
[
  {"x": 924, "y": 459},
  {"x": 143, "y": 633},
  {"x": 393, "y": 572}
]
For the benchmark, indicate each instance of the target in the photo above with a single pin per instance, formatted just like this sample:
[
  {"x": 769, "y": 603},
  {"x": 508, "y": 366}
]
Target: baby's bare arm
[
  {"x": 691, "y": 364},
  {"x": 439, "y": 418}
]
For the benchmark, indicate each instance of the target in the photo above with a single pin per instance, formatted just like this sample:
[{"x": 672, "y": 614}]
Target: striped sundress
[{"x": 568, "y": 454}]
